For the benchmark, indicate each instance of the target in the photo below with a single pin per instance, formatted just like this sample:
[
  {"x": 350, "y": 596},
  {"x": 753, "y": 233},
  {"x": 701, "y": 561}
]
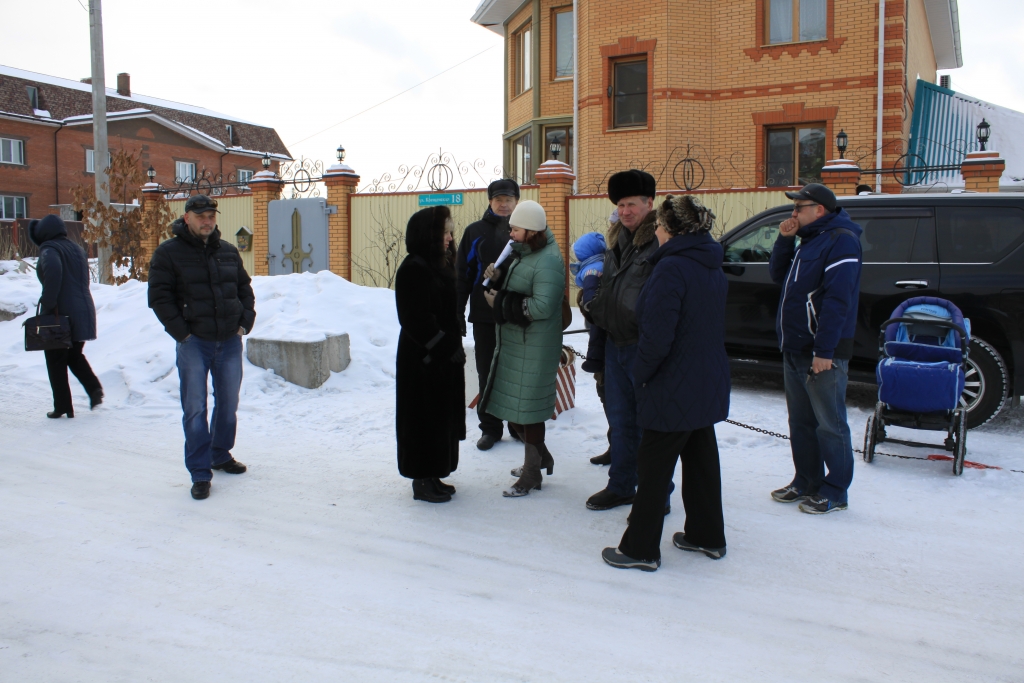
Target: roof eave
[
  {"x": 944, "y": 27},
  {"x": 494, "y": 14}
]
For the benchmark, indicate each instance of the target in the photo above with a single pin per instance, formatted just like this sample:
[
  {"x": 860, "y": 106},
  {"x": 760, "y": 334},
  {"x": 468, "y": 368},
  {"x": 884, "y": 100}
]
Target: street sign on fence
[{"x": 439, "y": 199}]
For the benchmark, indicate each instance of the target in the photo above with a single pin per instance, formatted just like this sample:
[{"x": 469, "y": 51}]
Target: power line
[{"x": 335, "y": 125}]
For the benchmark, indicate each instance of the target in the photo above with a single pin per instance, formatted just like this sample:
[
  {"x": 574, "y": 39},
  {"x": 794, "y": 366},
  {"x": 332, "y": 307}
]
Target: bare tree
[
  {"x": 122, "y": 226},
  {"x": 379, "y": 261}
]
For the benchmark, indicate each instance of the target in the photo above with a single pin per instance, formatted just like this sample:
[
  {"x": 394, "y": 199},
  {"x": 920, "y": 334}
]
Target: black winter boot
[
  {"x": 442, "y": 487},
  {"x": 547, "y": 461},
  {"x": 201, "y": 490},
  {"x": 423, "y": 489},
  {"x": 530, "y": 477}
]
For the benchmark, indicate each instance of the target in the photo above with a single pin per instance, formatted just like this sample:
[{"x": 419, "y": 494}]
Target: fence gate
[{"x": 297, "y": 235}]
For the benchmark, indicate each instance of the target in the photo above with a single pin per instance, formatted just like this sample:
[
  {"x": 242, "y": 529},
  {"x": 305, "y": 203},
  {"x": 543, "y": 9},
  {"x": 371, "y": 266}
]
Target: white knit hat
[{"x": 529, "y": 215}]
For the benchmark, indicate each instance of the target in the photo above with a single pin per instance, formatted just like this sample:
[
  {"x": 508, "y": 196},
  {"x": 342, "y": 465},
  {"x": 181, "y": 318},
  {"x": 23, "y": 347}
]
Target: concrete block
[{"x": 306, "y": 363}]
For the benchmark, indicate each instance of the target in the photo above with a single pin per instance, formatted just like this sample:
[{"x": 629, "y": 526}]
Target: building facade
[
  {"x": 46, "y": 140},
  {"x": 752, "y": 91}
]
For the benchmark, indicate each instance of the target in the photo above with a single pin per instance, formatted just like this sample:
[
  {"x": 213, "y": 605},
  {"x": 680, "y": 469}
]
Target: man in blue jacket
[{"x": 817, "y": 316}]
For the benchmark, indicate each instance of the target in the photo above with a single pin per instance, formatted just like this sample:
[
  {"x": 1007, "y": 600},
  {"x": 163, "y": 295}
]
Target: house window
[
  {"x": 90, "y": 160},
  {"x": 791, "y": 21},
  {"x": 12, "y": 151},
  {"x": 523, "y": 41},
  {"x": 244, "y": 176},
  {"x": 629, "y": 88},
  {"x": 12, "y": 207},
  {"x": 795, "y": 156},
  {"x": 563, "y": 136},
  {"x": 33, "y": 96},
  {"x": 184, "y": 171},
  {"x": 564, "y": 55},
  {"x": 522, "y": 169}
]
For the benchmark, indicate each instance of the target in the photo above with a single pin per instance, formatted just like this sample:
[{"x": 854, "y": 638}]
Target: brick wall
[{"x": 716, "y": 86}]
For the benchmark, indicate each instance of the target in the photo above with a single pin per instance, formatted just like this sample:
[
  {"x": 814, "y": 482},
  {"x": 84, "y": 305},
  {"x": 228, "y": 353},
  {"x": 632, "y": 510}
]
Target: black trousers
[
  {"x": 485, "y": 338},
  {"x": 58, "y": 363},
  {"x": 702, "y": 491}
]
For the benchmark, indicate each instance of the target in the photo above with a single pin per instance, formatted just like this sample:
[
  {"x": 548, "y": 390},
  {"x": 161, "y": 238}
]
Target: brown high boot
[
  {"x": 530, "y": 477},
  {"x": 547, "y": 462}
]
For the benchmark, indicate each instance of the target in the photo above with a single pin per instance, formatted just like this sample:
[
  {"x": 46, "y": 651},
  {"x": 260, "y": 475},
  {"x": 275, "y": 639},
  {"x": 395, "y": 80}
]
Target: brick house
[
  {"x": 755, "y": 90},
  {"x": 46, "y": 140}
]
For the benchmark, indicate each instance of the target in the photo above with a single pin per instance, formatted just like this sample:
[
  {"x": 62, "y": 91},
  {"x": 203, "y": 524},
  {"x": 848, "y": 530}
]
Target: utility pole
[{"x": 99, "y": 125}]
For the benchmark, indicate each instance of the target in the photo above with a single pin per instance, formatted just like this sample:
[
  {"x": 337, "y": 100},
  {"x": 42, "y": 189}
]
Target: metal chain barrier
[{"x": 855, "y": 450}]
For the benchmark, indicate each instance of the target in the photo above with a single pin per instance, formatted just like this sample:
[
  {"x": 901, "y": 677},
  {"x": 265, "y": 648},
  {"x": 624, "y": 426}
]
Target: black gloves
[{"x": 514, "y": 310}]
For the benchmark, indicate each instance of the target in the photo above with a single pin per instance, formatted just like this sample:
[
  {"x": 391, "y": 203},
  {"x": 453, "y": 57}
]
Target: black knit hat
[
  {"x": 505, "y": 186},
  {"x": 631, "y": 183}
]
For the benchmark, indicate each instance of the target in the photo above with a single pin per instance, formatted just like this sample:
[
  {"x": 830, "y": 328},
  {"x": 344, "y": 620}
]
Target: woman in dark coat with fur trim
[
  {"x": 63, "y": 270},
  {"x": 430, "y": 414},
  {"x": 681, "y": 379}
]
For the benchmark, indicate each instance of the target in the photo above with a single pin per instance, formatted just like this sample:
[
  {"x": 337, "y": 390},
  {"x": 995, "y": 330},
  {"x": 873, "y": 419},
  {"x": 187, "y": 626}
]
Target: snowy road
[{"x": 317, "y": 565}]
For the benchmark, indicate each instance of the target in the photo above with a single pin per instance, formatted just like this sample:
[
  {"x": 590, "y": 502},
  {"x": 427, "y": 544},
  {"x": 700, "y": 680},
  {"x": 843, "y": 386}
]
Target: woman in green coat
[{"x": 528, "y": 312}]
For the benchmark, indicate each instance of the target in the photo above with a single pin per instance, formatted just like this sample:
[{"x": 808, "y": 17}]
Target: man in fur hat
[{"x": 631, "y": 242}]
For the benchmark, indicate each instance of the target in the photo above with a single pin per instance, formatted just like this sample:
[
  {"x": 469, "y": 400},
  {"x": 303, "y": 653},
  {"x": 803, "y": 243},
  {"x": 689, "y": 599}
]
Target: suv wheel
[{"x": 987, "y": 384}]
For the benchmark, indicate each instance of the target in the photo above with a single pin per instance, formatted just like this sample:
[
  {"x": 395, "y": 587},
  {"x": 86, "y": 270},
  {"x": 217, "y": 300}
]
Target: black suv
[{"x": 967, "y": 248}]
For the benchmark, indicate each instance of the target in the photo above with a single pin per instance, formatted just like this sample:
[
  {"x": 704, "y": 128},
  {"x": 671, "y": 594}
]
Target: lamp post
[
  {"x": 841, "y": 142},
  {"x": 266, "y": 161},
  {"x": 341, "y": 153},
  {"x": 556, "y": 149},
  {"x": 151, "y": 174},
  {"x": 984, "y": 131}
]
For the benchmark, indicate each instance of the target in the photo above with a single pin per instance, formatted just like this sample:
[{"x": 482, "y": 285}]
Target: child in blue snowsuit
[{"x": 589, "y": 250}]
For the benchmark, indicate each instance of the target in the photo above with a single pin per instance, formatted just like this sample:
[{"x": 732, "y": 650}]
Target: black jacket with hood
[
  {"x": 63, "y": 270},
  {"x": 626, "y": 269},
  {"x": 200, "y": 288},
  {"x": 481, "y": 244}
]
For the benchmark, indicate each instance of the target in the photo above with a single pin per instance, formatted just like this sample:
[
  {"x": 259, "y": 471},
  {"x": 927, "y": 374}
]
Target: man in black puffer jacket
[
  {"x": 201, "y": 293},
  {"x": 482, "y": 243}
]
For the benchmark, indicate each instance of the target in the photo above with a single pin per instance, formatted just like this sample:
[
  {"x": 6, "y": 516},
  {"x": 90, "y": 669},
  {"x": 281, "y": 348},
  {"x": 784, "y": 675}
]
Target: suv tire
[{"x": 987, "y": 384}]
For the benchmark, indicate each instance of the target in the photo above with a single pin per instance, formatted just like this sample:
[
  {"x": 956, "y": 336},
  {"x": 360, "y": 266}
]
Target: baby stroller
[{"x": 921, "y": 375}]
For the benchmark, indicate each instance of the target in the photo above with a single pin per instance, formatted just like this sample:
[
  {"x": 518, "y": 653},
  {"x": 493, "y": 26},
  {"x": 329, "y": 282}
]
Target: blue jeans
[
  {"x": 620, "y": 408},
  {"x": 818, "y": 431},
  {"x": 207, "y": 445}
]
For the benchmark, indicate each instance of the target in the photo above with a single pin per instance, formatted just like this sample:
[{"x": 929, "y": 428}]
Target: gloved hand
[
  {"x": 459, "y": 357},
  {"x": 489, "y": 295}
]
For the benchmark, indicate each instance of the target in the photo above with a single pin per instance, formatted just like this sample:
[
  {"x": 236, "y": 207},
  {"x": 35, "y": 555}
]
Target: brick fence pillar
[
  {"x": 266, "y": 187},
  {"x": 555, "y": 179},
  {"x": 982, "y": 171},
  {"x": 841, "y": 176},
  {"x": 152, "y": 197},
  {"x": 341, "y": 182}
]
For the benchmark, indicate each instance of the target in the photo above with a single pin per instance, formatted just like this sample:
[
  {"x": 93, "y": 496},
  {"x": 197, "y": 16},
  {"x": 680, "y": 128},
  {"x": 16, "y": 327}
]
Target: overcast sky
[{"x": 304, "y": 67}]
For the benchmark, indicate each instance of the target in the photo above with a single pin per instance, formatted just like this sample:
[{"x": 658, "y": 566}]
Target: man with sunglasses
[
  {"x": 817, "y": 317},
  {"x": 201, "y": 293}
]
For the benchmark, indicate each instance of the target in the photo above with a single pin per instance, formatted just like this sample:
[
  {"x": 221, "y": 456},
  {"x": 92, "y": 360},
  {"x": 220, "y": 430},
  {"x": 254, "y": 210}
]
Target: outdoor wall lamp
[
  {"x": 556, "y": 149},
  {"x": 151, "y": 174},
  {"x": 266, "y": 160},
  {"x": 984, "y": 130},
  {"x": 341, "y": 153},
  {"x": 841, "y": 141}
]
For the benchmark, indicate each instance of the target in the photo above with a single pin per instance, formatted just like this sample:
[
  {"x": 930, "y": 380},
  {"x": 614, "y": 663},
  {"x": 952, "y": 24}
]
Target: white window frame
[
  {"x": 90, "y": 160},
  {"x": 247, "y": 177},
  {"x": 16, "y": 202},
  {"x": 12, "y": 151},
  {"x": 186, "y": 176},
  {"x": 524, "y": 59}
]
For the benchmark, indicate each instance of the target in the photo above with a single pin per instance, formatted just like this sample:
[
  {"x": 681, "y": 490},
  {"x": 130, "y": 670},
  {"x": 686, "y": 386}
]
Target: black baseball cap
[
  {"x": 817, "y": 193},
  {"x": 200, "y": 203}
]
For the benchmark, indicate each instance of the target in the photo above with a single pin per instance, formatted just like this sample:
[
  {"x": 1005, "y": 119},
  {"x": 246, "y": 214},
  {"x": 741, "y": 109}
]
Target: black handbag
[{"x": 47, "y": 332}]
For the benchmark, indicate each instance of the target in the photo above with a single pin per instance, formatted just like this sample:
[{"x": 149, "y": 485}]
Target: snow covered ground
[{"x": 317, "y": 565}]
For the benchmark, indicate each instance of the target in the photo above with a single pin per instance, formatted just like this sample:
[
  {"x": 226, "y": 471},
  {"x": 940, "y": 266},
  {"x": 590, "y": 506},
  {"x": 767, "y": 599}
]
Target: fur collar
[{"x": 644, "y": 233}]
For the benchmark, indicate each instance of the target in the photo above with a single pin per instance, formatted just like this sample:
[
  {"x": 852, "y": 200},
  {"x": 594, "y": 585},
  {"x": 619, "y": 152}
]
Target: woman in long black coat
[
  {"x": 430, "y": 414},
  {"x": 63, "y": 270}
]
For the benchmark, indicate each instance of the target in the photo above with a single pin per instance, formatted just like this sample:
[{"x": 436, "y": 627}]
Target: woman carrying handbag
[{"x": 63, "y": 270}]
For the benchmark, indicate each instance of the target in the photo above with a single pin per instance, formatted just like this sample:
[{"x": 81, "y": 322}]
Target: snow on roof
[{"x": 112, "y": 93}]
